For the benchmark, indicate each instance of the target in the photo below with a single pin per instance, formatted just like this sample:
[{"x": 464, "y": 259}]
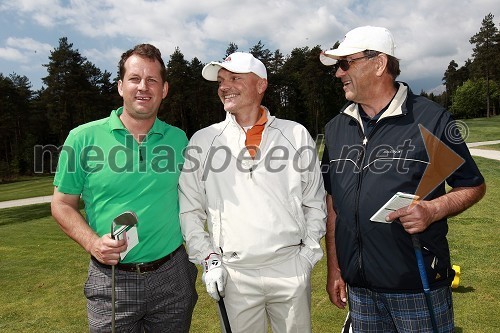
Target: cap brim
[
  {"x": 342, "y": 52},
  {"x": 211, "y": 70},
  {"x": 327, "y": 60}
]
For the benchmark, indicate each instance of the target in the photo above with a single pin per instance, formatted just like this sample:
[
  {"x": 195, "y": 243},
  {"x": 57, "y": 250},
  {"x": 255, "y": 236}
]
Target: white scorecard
[{"x": 397, "y": 201}]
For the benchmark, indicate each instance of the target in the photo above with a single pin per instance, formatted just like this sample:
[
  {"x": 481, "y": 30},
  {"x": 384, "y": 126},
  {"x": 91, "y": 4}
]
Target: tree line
[
  {"x": 473, "y": 89},
  {"x": 300, "y": 88}
]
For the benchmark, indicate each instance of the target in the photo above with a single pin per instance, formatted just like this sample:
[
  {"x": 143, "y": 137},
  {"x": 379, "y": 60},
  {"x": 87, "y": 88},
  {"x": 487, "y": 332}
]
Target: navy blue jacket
[{"x": 363, "y": 172}]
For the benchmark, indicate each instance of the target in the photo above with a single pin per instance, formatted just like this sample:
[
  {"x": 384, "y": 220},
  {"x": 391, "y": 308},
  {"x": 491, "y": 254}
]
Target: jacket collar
[
  {"x": 235, "y": 137},
  {"x": 232, "y": 119},
  {"x": 396, "y": 108}
]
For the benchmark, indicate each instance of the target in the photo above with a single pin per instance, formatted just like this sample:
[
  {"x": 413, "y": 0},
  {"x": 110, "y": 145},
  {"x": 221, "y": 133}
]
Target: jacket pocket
[{"x": 437, "y": 267}]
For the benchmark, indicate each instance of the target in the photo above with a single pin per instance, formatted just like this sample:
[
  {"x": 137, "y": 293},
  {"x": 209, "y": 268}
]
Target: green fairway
[
  {"x": 474, "y": 240},
  {"x": 482, "y": 129},
  {"x": 27, "y": 188},
  {"x": 42, "y": 281}
]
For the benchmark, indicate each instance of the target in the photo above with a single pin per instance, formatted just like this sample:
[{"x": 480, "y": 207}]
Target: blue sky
[{"x": 428, "y": 33}]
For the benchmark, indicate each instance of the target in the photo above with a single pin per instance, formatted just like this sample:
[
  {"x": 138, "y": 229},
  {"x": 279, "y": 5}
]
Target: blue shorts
[{"x": 399, "y": 312}]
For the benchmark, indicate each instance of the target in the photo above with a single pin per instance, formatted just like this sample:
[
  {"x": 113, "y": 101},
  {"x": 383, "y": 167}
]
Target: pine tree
[
  {"x": 72, "y": 87},
  {"x": 232, "y": 47},
  {"x": 485, "y": 54}
]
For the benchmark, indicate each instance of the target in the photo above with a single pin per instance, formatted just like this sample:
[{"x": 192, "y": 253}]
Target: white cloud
[
  {"x": 429, "y": 34},
  {"x": 12, "y": 54},
  {"x": 104, "y": 59},
  {"x": 28, "y": 44},
  {"x": 26, "y": 52}
]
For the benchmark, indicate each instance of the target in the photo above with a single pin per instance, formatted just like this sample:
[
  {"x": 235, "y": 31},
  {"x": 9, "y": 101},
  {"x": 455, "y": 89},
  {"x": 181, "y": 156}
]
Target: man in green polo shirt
[{"x": 129, "y": 161}]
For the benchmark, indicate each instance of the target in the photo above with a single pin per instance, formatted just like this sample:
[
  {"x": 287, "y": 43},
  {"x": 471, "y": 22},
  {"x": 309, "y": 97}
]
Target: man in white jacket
[{"x": 252, "y": 205}]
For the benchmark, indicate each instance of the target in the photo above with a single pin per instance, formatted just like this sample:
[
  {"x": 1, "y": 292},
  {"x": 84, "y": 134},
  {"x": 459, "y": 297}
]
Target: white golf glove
[{"x": 214, "y": 276}]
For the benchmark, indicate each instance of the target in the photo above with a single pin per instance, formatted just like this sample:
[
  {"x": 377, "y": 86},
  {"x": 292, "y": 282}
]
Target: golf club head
[{"x": 125, "y": 218}]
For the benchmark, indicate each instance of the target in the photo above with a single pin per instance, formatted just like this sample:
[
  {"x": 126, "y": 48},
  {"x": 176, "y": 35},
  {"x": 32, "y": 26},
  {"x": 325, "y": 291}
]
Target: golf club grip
[
  {"x": 423, "y": 277},
  {"x": 223, "y": 313},
  {"x": 420, "y": 261}
]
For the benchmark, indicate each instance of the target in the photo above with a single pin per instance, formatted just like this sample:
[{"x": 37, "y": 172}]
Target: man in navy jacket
[{"x": 375, "y": 148}]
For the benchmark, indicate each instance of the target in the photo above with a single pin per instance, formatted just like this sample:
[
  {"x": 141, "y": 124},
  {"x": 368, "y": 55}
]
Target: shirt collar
[
  {"x": 263, "y": 118},
  {"x": 116, "y": 124},
  {"x": 396, "y": 106}
]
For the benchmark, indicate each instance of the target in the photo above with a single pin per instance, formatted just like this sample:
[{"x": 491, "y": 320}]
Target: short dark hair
[
  {"x": 143, "y": 50},
  {"x": 392, "y": 62}
]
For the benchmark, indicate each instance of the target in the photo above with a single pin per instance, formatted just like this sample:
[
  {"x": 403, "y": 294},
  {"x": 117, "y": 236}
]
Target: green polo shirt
[{"x": 103, "y": 163}]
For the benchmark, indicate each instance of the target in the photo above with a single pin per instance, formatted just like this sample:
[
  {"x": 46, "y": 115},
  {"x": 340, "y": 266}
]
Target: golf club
[
  {"x": 347, "y": 327},
  {"x": 127, "y": 218},
  {"x": 423, "y": 276},
  {"x": 223, "y": 312}
]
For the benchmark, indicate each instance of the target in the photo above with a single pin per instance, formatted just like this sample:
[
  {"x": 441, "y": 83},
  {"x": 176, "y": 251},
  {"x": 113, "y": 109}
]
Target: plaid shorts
[
  {"x": 399, "y": 312},
  {"x": 159, "y": 301}
]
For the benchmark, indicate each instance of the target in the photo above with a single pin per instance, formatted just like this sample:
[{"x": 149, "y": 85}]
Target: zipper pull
[
  {"x": 365, "y": 140},
  {"x": 140, "y": 155},
  {"x": 251, "y": 170}
]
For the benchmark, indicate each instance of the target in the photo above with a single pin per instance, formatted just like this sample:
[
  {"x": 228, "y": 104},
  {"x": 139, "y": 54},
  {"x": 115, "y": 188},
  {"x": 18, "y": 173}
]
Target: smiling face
[
  {"x": 142, "y": 87},
  {"x": 240, "y": 93},
  {"x": 358, "y": 79}
]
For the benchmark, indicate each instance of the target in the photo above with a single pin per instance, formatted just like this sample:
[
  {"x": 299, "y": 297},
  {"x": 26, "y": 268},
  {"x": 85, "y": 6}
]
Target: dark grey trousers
[{"x": 158, "y": 301}]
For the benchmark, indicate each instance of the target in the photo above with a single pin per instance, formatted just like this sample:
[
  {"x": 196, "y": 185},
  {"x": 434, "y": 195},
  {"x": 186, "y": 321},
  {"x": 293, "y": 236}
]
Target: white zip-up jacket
[{"x": 257, "y": 212}]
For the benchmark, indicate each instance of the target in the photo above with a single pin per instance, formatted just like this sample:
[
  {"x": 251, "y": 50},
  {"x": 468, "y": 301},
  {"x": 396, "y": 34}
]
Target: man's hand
[
  {"x": 335, "y": 286},
  {"x": 214, "y": 276},
  {"x": 107, "y": 250},
  {"x": 415, "y": 218}
]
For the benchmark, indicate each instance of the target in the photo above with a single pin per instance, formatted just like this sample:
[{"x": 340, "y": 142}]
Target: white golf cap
[
  {"x": 358, "y": 40},
  {"x": 237, "y": 62}
]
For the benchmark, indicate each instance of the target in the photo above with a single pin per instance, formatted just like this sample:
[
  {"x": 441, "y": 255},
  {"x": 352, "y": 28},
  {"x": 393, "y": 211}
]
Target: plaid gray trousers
[
  {"x": 159, "y": 301},
  {"x": 373, "y": 311}
]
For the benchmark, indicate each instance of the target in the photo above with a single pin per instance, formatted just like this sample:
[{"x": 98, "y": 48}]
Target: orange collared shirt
[{"x": 254, "y": 134}]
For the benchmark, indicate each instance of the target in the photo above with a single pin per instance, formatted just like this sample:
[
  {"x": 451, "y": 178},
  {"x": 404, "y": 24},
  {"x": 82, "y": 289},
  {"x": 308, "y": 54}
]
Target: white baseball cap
[
  {"x": 237, "y": 62},
  {"x": 358, "y": 40}
]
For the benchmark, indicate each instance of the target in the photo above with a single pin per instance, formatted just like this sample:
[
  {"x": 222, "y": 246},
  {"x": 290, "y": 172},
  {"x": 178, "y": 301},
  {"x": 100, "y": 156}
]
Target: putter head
[{"x": 125, "y": 218}]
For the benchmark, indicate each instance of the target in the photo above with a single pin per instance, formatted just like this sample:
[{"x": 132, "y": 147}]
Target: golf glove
[{"x": 214, "y": 275}]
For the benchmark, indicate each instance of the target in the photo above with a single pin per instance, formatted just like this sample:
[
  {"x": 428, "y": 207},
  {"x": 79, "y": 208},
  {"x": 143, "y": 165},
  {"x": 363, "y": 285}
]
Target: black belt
[{"x": 142, "y": 267}]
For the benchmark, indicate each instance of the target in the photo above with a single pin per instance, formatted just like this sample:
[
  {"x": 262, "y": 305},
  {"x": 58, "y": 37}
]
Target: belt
[{"x": 140, "y": 268}]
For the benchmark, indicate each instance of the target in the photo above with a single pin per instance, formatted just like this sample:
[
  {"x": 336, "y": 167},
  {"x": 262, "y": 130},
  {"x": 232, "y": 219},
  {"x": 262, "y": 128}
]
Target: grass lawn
[
  {"x": 483, "y": 129},
  {"x": 27, "y": 188},
  {"x": 41, "y": 286},
  {"x": 474, "y": 238}
]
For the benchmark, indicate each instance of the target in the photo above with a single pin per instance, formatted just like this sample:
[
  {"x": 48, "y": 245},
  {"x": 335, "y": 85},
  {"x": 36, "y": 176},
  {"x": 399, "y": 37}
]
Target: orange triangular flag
[{"x": 443, "y": 161}]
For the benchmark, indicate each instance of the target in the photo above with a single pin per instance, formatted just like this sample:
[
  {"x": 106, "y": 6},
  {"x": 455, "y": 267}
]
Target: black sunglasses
[{"x": 344, "y": 64}]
